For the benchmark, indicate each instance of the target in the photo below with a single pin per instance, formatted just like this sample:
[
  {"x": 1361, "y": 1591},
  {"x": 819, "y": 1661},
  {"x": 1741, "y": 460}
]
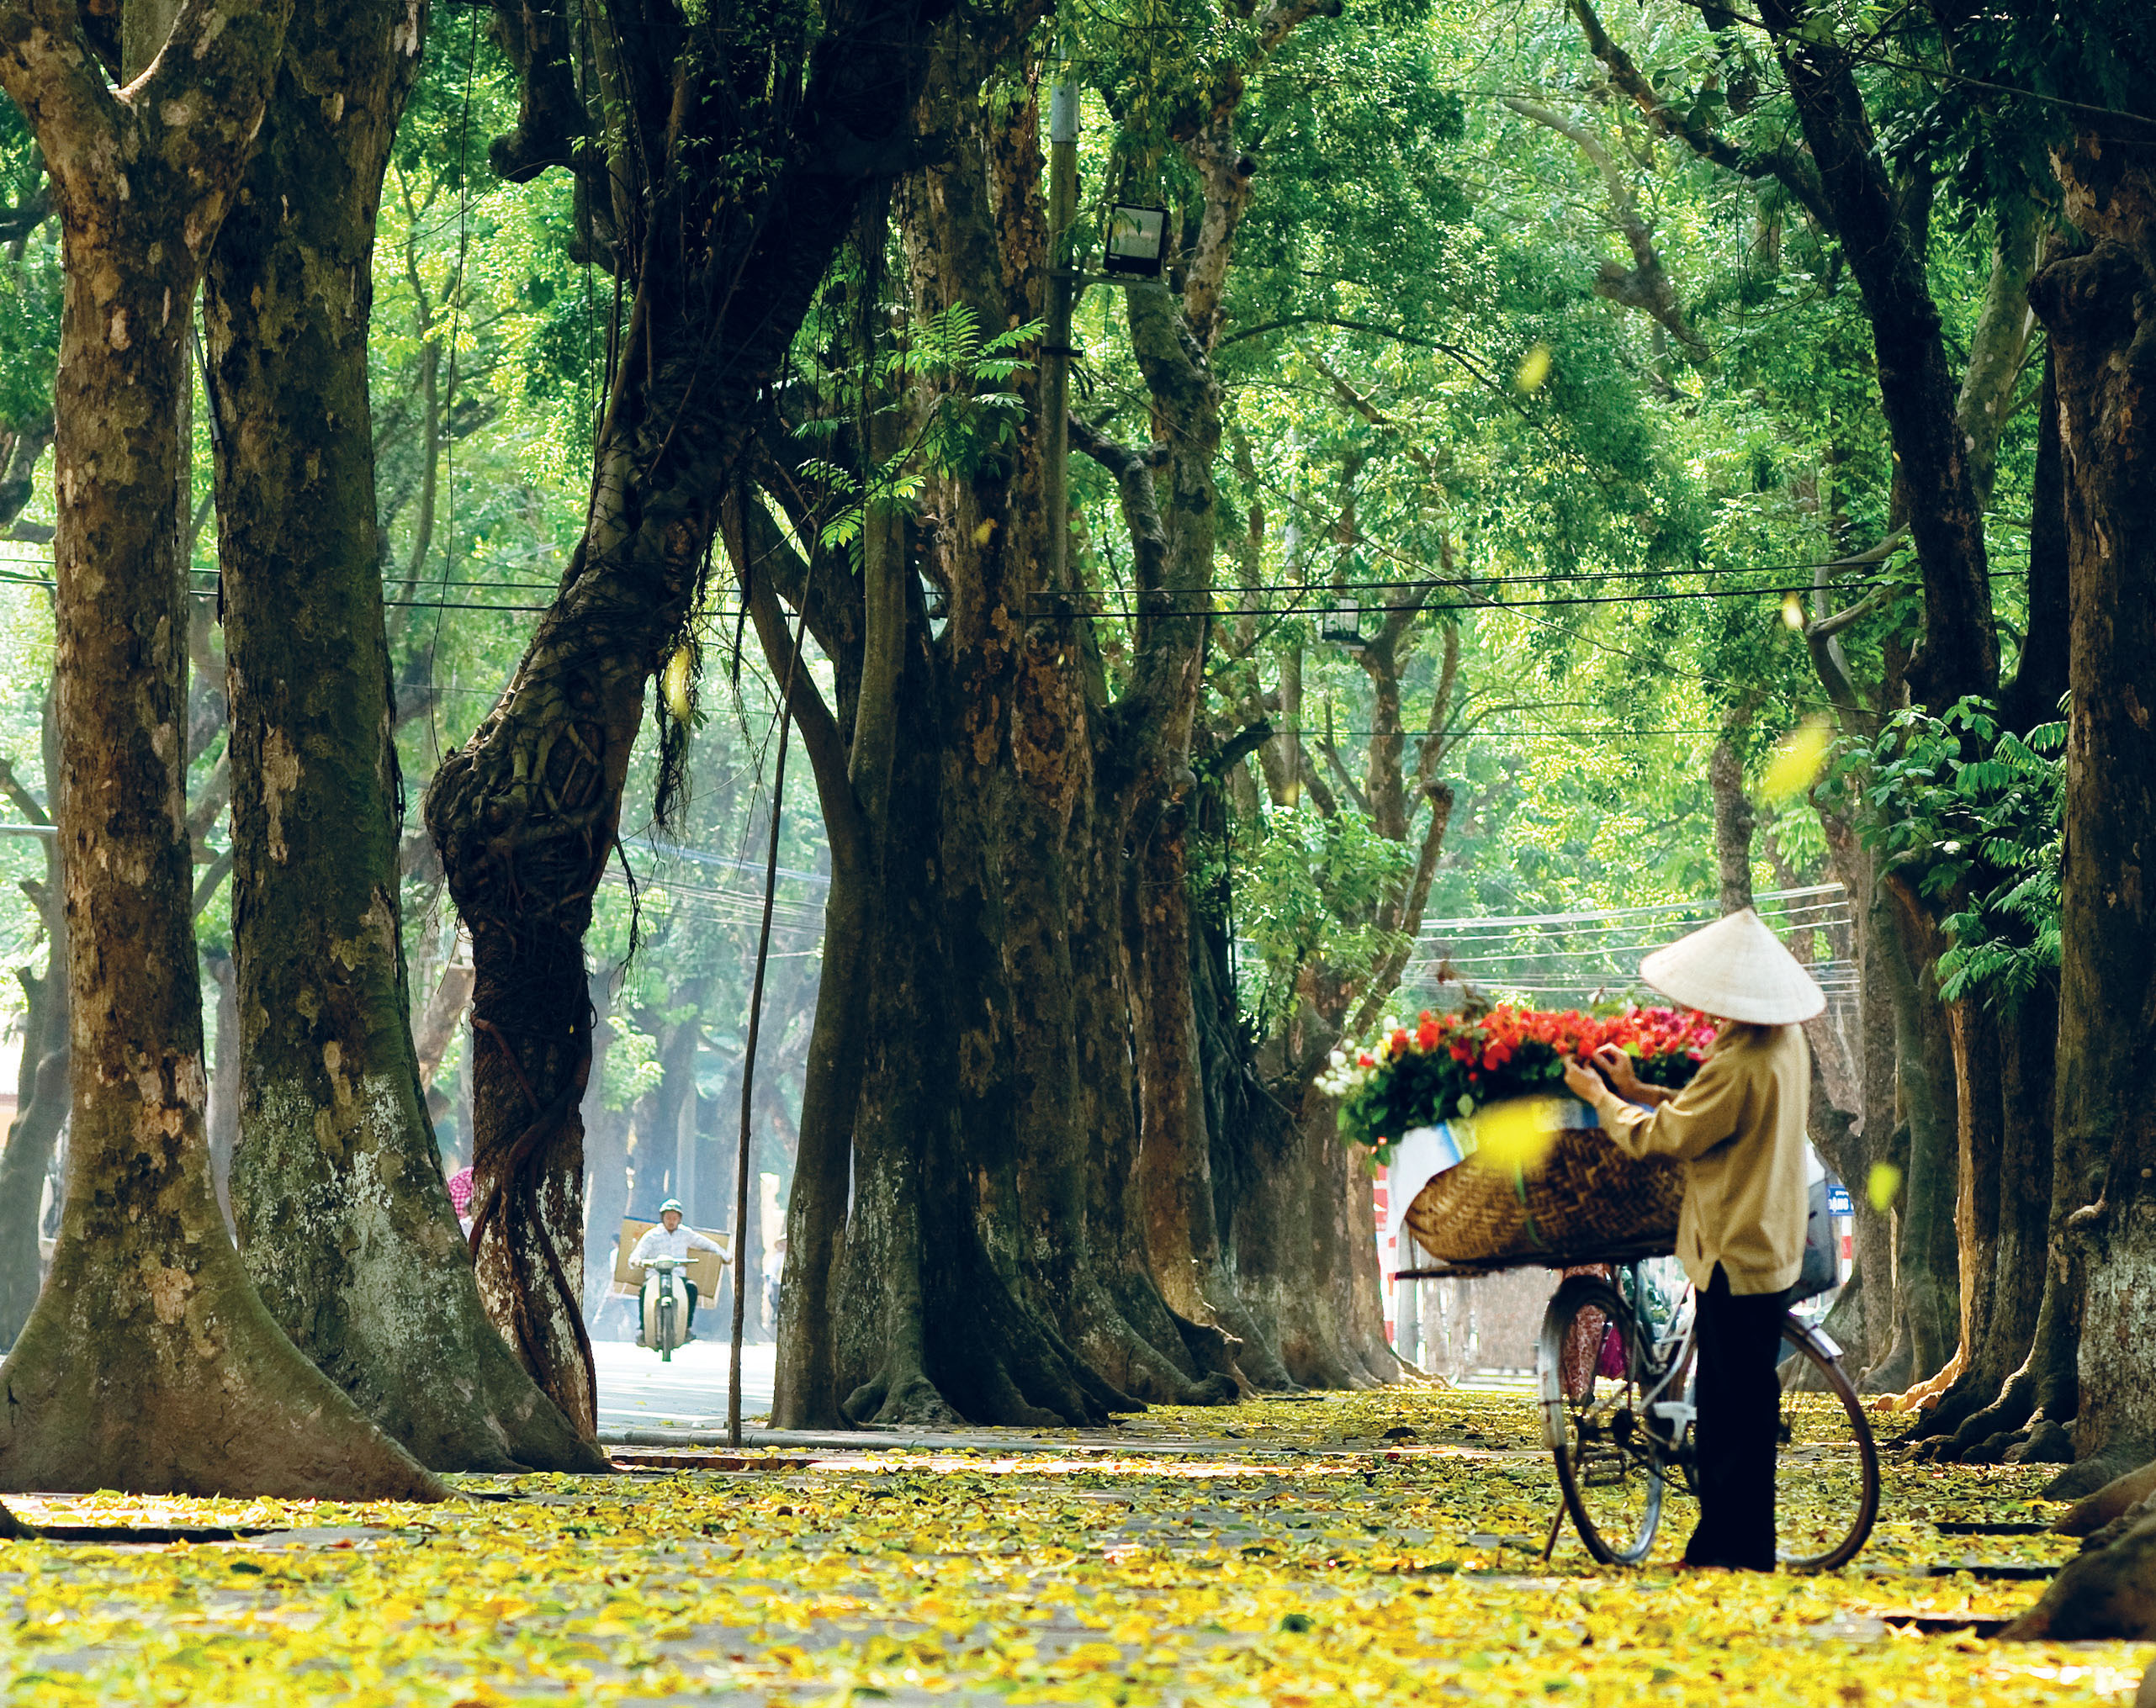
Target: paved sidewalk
[{"x": 638, "y": 1391}]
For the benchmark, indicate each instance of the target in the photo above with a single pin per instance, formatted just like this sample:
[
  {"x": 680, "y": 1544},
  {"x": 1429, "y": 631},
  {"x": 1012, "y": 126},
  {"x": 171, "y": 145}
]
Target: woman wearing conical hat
[{"x": 1738, "y": 1129}]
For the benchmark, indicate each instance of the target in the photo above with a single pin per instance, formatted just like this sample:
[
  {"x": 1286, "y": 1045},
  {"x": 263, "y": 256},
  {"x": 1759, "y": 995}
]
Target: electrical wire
[{"x": 1470, "y": 603}]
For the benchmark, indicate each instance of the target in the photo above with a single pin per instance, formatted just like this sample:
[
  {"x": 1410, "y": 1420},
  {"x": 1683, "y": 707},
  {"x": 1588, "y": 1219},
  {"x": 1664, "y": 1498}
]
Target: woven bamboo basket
[{"x": 1589, "y": 1202}]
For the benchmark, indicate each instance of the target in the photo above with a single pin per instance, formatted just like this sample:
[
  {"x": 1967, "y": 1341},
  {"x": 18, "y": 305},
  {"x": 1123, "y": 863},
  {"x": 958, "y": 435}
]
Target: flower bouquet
[
  {"x": 1517, "y": 1172},
  {"x": 1447, "y": 1067}
]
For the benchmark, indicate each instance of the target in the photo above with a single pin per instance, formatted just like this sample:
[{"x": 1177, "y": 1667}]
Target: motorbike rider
[{"x": 670, "y": 1239}]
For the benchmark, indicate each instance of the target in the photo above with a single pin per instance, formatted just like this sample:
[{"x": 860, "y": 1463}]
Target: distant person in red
[
  {"x": 1738, "y": 1129},
  {"x": 460, "y": 1198},
  {"x": 670, "y": 1239}
]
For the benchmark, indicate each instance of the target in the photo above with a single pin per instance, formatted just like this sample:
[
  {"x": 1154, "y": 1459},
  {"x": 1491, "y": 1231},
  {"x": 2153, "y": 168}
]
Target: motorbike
[{"x": 665, "y": 1304}]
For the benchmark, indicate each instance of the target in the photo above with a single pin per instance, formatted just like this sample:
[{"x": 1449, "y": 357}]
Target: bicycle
[{"x": 1617, "y": 1414}]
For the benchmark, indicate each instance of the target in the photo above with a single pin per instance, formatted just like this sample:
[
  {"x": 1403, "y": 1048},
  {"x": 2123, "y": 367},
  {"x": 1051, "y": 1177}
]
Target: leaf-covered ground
[{"x": 1363, "y": 1548}]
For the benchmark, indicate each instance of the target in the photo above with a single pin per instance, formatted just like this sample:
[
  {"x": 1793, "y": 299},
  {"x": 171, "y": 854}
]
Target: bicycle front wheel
[
  {"x": 1593, "y": 1370},
  {"x": 1826, "y": 1467}
]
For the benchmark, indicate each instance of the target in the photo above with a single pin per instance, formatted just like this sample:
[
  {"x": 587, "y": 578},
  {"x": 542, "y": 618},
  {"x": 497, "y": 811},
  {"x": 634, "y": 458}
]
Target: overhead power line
[{"x": 1469, "y": 920}]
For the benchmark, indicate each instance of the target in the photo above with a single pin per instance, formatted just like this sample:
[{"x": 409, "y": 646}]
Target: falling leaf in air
[
  {"x": 1516, "y": 1135},
  {"x": 1798, "y": 758}
]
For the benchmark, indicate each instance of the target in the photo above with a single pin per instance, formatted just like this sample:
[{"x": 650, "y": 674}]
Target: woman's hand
[
  {"x": 1617, "y": 1065},
  {"x": 1583, "y": 1082}
]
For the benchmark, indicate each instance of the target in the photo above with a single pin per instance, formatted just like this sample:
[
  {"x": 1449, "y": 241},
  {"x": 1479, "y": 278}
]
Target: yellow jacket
[{"x": 1738, "y": 1129}]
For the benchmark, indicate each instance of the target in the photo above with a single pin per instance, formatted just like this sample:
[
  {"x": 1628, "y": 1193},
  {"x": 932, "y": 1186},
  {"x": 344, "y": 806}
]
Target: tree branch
[
  {"x": 212, "y": 875},
  {"x": 821, "y": 737},
  {"x": 1236, "y": 748},
  {"x": 47, "y": 69},
  {"x": 1453, "y": 352},
  {"x": 1223, "y": 168},
  {"x": 18, "y": 222},
  {"x": 1829, "y": 661},
  {"x": 1340, "y": 770},
  {"x": 534, "y": 35},
  {"x": 1792, "y": 170},
  {"x": 1434, "y": 746},
  {"x": 1883, "y": 236},
  {"x": 1826, "y": 628},
  {"x": 1646, "y": 285},
  {"x": 1315, "y": 785},
  {"x": 1133, "y": 470},
  {"x": 1409, "y": 920},
  {"x": 211, "y": 800},
  {"x": 2000, "y": 340},
  {"x": 201, "y": 102},
  {"x": 18, "y": 794}
]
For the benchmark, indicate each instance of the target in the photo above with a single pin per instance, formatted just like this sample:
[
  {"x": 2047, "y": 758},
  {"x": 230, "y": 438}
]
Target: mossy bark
[
  {"x": 344, "y": 1218},
  {"x": 2101, "y": 311},
  {"x": 150, "y": 1362}
]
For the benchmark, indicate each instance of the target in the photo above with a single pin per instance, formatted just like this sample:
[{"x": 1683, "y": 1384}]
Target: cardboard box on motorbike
[{"x": 704, "y": 1268}]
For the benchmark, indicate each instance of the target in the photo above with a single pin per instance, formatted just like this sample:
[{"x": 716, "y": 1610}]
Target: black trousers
[{"x": 1739, "y": 1418}]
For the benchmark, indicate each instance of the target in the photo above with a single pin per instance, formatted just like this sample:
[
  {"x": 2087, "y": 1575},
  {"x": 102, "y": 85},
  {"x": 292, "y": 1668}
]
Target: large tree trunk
[
  {"x": 1925, "y": 1147},
  {"x": 1234, "y": 1099},
  {"x": 1027, "y": 1237},
  {"x": 2100, "y": 310},
  {"x": 345, "y": 1222},
  {"x": 994, "y": 1264},
  {"x": 2016, "y": 1365},
  {"x": 1855, "y": 1138},
  {"x": 526, "y": 813},
  {"x": 2026, "y": 1368},
  {"x": 1735, "y": 822},
  {"x": 1303, "y": 1237},
  {"x": 932, "y": 1321},
  {"x": 150, "y": 1363},
  {"x": 2003, "y": 1259},
  {"x": 924, "y": 1314}
]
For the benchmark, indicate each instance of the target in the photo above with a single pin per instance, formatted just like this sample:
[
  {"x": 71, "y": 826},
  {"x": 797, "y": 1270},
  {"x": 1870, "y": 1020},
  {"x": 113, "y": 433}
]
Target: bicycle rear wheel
[
  {"x": 1608, "y": 1467},
  {"x": 1826, "y": 1466}
]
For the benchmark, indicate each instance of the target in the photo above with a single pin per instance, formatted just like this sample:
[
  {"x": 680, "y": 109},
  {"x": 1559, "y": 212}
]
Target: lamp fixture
[{"x": 1137, "y": 240}]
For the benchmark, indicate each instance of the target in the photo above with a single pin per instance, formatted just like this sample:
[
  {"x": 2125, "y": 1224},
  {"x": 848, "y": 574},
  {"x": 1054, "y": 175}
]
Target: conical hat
[{"x": 1738, "y": 969}]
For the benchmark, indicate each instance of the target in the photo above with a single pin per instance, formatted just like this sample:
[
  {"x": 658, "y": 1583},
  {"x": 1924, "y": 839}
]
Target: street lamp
[
  {"x": 1138, "y": 237},
  {"x": 1344, "y": 628}
]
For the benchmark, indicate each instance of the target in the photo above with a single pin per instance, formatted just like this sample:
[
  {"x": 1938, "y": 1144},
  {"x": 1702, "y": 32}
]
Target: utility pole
[{"x": 1055, "y": 350}]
